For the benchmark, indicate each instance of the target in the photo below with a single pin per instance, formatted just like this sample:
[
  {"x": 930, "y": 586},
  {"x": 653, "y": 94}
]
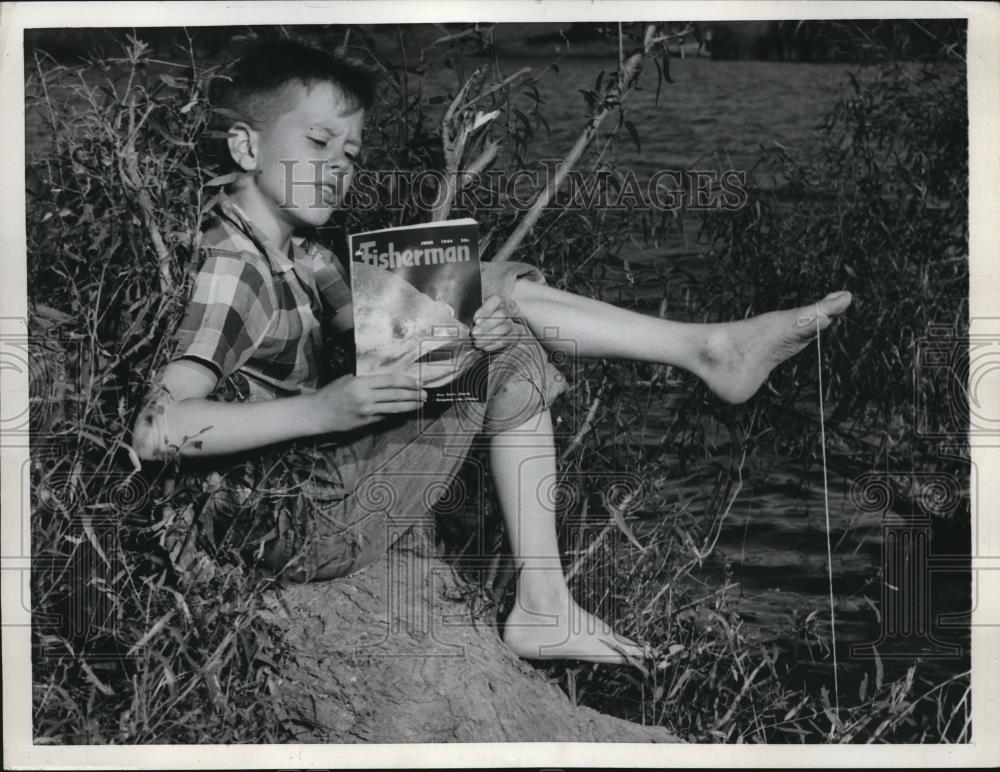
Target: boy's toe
[{"x": 835, "y": 303}]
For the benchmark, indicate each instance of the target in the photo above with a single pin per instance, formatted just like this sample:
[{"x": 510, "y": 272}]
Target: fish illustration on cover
[{"x": 415, "y": 290}]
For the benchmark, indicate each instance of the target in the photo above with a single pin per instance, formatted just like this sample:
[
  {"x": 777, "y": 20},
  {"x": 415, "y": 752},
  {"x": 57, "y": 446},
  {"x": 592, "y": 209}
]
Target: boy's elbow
[
  {"x": 144, "y": 444},
  {"x": 148, "y": 437}
]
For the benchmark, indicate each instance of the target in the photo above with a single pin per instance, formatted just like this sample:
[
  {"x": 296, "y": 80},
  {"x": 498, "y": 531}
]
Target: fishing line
[{"x": 826, "y": 507}]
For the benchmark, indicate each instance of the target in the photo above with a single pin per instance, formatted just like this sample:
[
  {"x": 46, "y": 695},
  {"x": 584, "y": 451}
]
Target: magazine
[{"x": 415, "y": 290}]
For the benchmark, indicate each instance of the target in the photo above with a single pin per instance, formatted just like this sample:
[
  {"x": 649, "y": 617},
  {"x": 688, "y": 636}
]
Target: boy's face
[{"x": 305, "y": 156}]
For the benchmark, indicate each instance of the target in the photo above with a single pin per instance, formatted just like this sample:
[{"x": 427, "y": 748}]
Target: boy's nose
[
  {"x": 339, "y": 164},
  {"x": 333, "y": 169},
  {"x": 337, "y": 172}
]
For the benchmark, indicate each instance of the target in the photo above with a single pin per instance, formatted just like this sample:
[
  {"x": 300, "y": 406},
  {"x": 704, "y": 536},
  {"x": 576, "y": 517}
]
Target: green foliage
[
  {"x": 133, "y": 641},
  {"x": 882, "y": 212},
  {"x": 710, "y": 680}
]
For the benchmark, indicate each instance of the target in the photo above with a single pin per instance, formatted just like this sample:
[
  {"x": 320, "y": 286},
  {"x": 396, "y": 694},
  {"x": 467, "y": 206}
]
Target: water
[
  {"x": 722, "y": 115},
  {"x": 735, "y": 106}
]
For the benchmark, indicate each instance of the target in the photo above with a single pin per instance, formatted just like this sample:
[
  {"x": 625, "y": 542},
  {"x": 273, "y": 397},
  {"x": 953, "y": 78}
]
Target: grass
[{"x": 149, "y": 623}]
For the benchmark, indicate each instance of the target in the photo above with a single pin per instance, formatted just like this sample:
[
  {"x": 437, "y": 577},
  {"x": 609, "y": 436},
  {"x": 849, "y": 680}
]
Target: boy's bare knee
[
  {"x": 523, "y": 383},
  {"x": 148, "y": 435},
  {"x": 526, "y": 291}
]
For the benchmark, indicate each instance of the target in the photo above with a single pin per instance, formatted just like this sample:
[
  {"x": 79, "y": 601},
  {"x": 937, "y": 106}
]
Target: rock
[{"x": 392, "y": 654}]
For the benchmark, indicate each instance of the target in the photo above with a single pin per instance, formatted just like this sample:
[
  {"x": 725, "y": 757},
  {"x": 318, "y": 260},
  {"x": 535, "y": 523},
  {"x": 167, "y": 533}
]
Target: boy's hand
[
  {"x": 358, "y": 400},
  {"x": 494, "y": 327}
]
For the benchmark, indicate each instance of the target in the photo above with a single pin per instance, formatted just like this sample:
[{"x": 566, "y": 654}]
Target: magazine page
[{"x": 415, "y": 291}]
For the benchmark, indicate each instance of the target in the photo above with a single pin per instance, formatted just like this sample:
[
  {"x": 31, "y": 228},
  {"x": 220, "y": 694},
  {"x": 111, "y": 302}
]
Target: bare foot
[
  {"x": 568, "y": 632},
  {"x": 738, "y": 356}
]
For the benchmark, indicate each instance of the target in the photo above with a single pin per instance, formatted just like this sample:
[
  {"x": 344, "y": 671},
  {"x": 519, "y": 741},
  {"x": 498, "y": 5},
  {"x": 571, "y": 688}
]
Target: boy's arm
[{"x": 176, "y": 417}]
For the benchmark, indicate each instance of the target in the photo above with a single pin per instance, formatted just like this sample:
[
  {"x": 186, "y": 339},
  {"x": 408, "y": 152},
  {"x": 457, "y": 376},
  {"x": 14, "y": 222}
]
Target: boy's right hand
[{"x": 358, "y": 400}]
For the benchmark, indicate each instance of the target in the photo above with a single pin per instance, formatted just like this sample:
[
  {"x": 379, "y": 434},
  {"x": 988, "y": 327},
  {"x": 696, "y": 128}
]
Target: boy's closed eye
[{"x": 350, "y": 155}]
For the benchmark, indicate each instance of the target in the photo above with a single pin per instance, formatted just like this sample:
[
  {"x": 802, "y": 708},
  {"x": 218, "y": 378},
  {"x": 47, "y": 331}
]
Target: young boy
[{"x": 295, "y": 116}]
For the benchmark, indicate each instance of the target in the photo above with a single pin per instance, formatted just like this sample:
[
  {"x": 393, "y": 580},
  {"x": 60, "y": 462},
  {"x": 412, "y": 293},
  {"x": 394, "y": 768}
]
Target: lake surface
[{"x": 721, "y": 114}]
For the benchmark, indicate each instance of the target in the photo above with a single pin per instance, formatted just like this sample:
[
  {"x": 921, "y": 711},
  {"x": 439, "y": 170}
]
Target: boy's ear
[{"x": 242, "y": 142}]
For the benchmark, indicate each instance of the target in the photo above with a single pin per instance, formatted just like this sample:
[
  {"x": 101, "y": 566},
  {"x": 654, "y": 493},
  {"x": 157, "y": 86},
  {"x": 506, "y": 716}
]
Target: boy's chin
[{"x": 313, "y": 216}]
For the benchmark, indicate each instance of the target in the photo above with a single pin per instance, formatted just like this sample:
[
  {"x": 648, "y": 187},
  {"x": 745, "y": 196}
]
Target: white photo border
[{"x": 984, "y": 110}]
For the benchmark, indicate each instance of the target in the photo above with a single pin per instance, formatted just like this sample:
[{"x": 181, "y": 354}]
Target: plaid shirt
[{"x": 256, "y": 311}]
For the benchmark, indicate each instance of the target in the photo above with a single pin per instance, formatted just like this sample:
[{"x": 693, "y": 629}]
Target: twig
[
  {"x": 588, "y": 552},
  {"x": 457, "y": 126},
  {"x": 618, "y": 518},
  {"x": 453, "y": 141},
  {"x": 49, "y": 314},
  {"x": 626, "y": 81},
  {"x": 133, "y": 179},
  {"x": 467, "y": 33},
  {"x": 739, "y": 697},
  {"x": 585, "y": 427},
  {"x": 45, "y": 93},
  {"x": 708, "y": 548},
  {"x": 404, "y": 82}
]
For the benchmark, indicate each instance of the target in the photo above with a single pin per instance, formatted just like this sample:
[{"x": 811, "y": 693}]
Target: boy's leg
[
  {"x": 732, "y": 358},
  {"x": 390, "y": 476},
  {"x": 545, "y": 623},
  {"x": 389, "y": 473}
]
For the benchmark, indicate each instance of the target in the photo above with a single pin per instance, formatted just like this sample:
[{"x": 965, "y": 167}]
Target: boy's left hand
[{"x": 493, "y": 328}]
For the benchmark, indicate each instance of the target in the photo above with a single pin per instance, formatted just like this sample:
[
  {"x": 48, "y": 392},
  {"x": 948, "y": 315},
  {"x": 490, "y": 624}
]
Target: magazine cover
[{"x": 415, "y": 291}]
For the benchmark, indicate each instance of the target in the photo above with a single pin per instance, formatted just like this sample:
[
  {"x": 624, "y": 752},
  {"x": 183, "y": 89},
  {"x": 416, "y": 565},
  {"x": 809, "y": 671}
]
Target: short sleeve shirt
[{"x": 256, "y": 310}]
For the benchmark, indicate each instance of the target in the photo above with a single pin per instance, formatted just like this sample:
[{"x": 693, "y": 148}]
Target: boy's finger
[
  {"x": 498, "y": 322},
  {"x": 490, "y": 305},
  {"x": 493, "y": 344},
  {"x": 390, "y": 408},
  {"x": 491, "y": 325},
  {"x": 393, "y": 381},
  {"x": 383, "y": 396}
]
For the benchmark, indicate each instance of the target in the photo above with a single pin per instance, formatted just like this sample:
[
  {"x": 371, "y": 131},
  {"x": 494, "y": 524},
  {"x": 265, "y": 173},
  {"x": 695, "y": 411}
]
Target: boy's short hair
[{"x": 253, "y": 88}]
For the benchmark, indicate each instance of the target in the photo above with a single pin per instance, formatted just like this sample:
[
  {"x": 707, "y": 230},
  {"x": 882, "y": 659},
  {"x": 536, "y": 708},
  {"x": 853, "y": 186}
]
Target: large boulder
[{"x": 393, "y": 654}]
